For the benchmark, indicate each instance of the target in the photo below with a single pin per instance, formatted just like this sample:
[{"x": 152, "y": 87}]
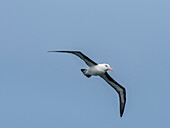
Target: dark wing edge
[
  {"x": 87, "y": 60},
  {"x": 120, "y": 90}
]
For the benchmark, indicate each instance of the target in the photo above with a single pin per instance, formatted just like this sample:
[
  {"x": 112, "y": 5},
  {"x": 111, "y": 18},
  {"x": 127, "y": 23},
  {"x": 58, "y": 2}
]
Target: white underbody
[{"x": 95, "y": 70}]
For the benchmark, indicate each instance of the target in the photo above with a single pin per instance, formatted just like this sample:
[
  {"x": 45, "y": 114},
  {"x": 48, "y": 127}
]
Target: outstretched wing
[
  {"x": 87, "y": 60},
  {"x": 120, "y": 90}
]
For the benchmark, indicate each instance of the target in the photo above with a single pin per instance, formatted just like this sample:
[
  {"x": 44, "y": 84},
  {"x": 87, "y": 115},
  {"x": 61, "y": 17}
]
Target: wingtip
[
  {"x": 65, "y": 51},
  {"x": 121, "y": 114},
  {"x": 52, "y": 51}
]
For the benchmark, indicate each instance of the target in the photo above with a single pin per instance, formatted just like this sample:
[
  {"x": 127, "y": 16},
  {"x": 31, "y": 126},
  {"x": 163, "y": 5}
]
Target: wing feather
[
  {"x": 120, "y": 90},
  {"x": 87, "y": 60}
]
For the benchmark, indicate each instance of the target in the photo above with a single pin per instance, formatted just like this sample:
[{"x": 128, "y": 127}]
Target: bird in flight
[{"x": 95, "y": 69}]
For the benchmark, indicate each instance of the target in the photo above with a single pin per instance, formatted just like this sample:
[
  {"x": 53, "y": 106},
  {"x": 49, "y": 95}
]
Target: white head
[{"x": 106, "y": 67}]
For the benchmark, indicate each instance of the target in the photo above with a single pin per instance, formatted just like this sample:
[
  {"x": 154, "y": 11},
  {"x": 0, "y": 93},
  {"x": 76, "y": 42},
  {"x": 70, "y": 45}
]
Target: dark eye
[{"x": 106, "y": 65}]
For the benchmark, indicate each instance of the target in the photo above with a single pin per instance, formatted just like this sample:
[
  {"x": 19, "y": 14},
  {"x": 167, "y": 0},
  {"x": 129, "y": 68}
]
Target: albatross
[{"x": 95, "y": 69}]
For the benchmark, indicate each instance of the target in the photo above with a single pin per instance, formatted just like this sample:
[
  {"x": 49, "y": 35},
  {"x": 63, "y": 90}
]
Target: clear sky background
[{"x": 47, "y": 90}]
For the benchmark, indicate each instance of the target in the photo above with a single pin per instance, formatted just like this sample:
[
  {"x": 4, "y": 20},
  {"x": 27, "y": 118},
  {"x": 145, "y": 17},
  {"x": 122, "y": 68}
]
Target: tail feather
[{"x": 84, "y": 72}]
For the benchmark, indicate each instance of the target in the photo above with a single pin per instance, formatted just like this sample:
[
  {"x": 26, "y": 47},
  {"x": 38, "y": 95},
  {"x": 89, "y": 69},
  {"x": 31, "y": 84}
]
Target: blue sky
[{"x": 41, "y": 89}]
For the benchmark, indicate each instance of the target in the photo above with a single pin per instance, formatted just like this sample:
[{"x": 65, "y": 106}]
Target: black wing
[
  {"x": 120, "y": 90},
  {"x": 87, "y": 60}
]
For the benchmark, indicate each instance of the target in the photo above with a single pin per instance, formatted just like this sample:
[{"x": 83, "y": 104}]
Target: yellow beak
[{"x": 110, "y": 68}]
